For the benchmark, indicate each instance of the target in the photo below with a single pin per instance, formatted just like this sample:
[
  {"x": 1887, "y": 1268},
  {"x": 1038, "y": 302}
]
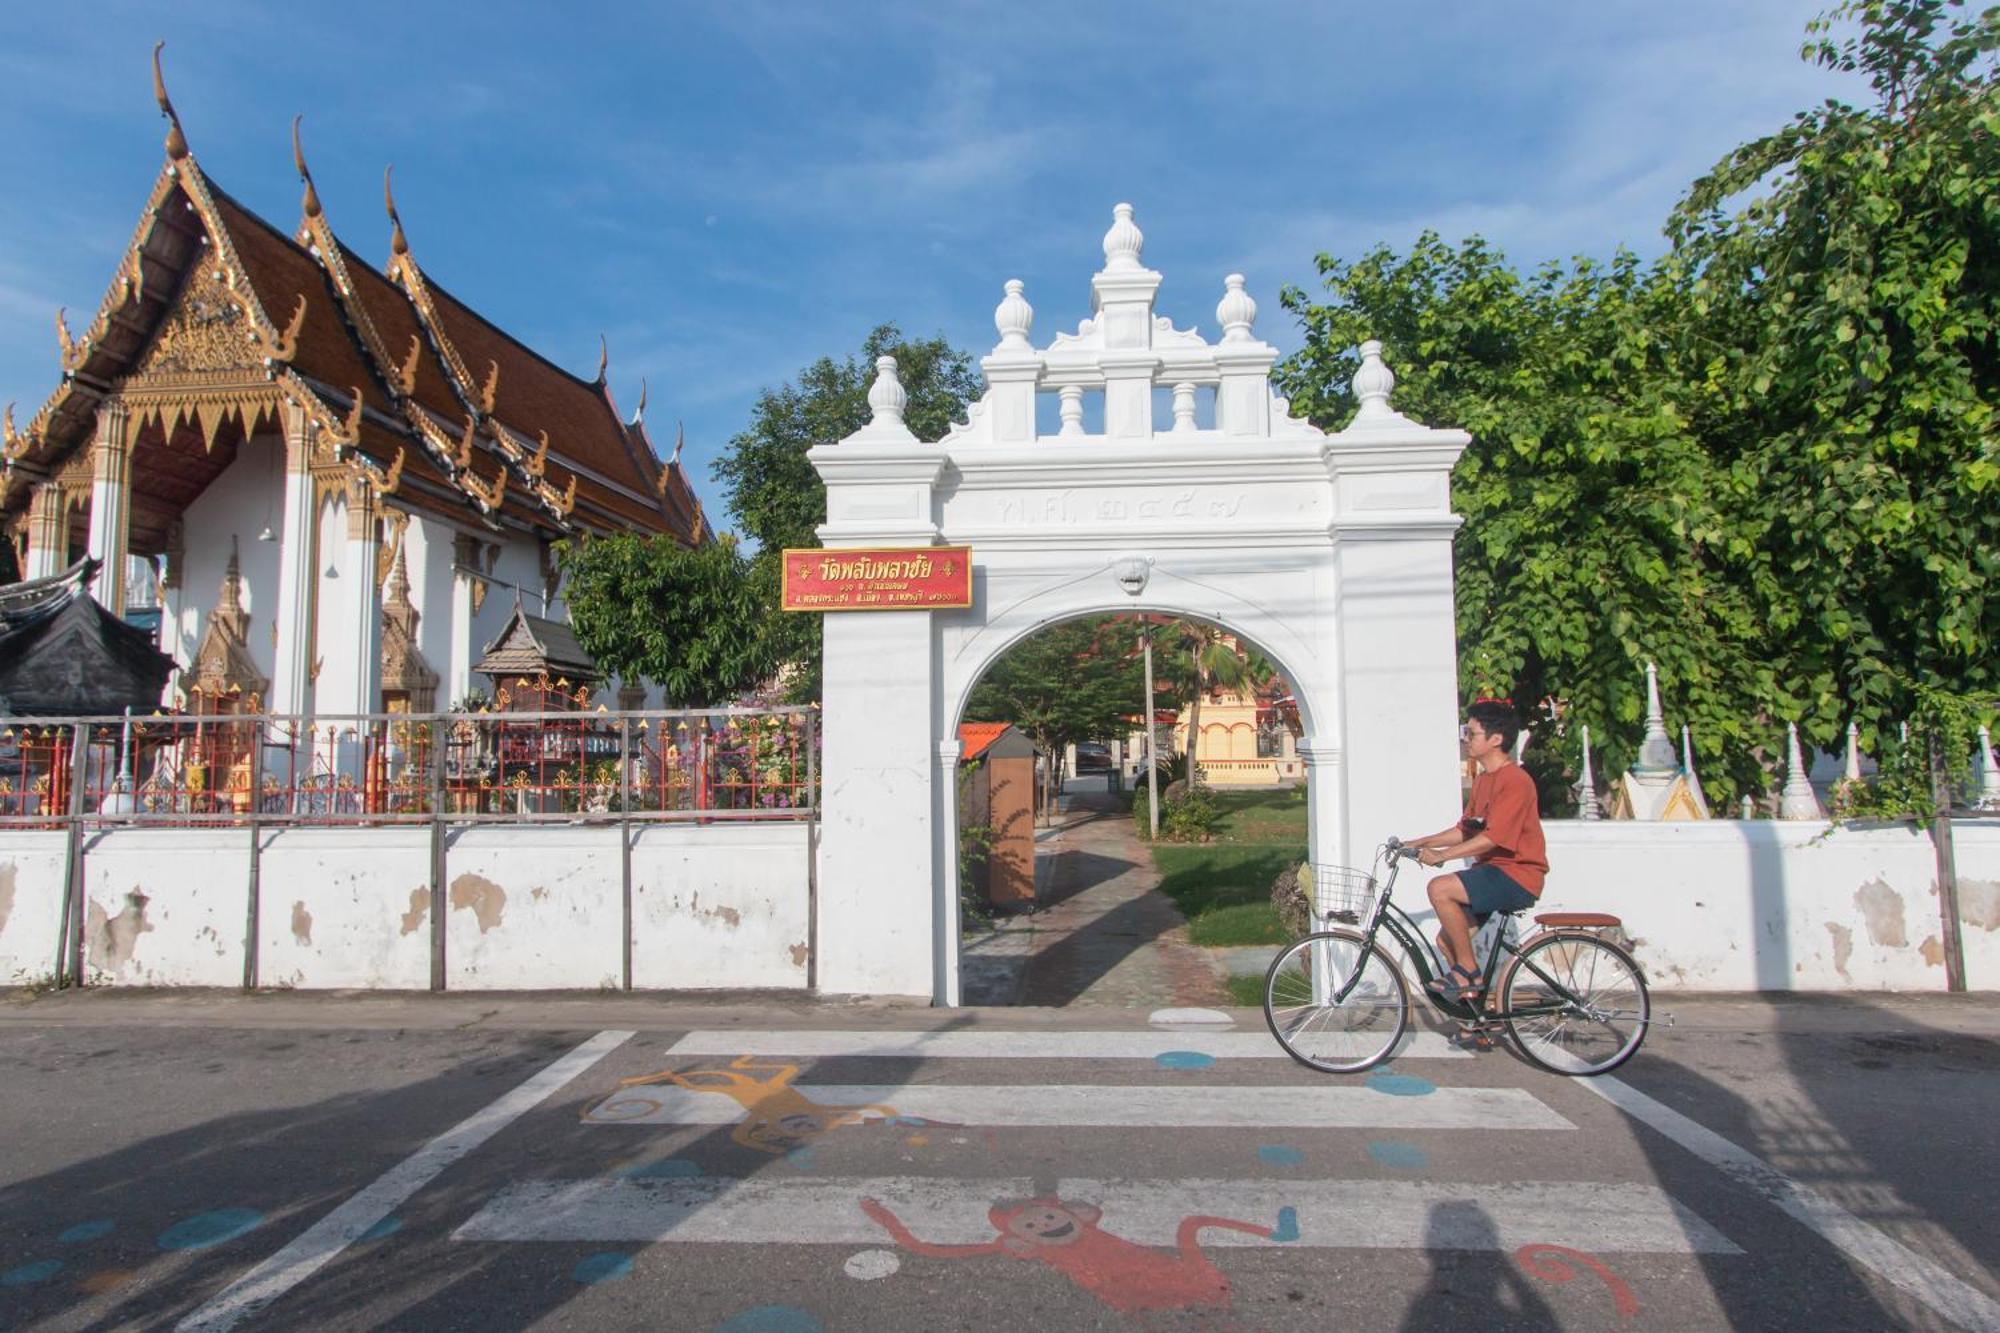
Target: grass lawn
[
  {"x": 1245, "y": 992},
  {"x": 1223, "y": 887}
]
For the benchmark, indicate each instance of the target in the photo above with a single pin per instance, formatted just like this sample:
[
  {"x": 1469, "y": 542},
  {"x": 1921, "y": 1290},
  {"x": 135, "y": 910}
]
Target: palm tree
[{"x": 1212, "y": 660}]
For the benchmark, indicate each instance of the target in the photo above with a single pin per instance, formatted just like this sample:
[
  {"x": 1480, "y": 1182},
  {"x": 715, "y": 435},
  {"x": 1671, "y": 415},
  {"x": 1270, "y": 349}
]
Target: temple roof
[
  {"x": 454, "y": 415},
  {"x": 531, "y": 646},
  {"x": 63, "y": 655}
]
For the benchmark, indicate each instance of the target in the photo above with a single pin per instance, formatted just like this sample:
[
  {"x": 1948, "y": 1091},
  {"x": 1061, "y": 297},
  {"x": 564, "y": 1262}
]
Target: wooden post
[
  {"x": 253, "y": 917},
  {"x": 440, "y": 734},
  {"x": 1947, "y": 870},
  {"x": 625, "y": 846},
  {"x": 69, "y": 939}
]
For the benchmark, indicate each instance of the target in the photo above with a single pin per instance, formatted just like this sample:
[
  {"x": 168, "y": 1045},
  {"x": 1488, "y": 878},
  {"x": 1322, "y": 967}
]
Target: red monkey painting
[{"x": 1066, "y": 1237}]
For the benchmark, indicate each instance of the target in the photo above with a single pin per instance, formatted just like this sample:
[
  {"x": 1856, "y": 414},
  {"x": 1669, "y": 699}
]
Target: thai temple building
[{"x": 334, "y": 488}]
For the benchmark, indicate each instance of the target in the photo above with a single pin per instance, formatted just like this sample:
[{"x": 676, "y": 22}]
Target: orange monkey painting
[
  {"x": 778, "y": 1118},
  {"x": 1065, "y": 1236}
]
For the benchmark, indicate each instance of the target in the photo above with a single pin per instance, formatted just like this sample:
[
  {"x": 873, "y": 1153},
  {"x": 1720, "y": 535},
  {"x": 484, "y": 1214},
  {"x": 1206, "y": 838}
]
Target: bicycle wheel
[
  {"x": 1575, "y": 1004},
  {"x": 1320, "y": 1026}
]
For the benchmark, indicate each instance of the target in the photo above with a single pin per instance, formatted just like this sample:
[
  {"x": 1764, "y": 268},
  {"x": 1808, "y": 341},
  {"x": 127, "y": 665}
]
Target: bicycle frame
[{"x": 1419, "y": 953}]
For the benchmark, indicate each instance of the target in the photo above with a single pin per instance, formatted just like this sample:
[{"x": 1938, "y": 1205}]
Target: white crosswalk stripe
[
  {"x": 987, "y": 1045},
  {"x": 1351, "y": 1214},
  {"x": 1178, "y": 1106}
]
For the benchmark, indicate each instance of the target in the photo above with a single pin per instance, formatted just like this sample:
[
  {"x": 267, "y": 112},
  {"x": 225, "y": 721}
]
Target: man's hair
[{"x": 1496, "y": 719}]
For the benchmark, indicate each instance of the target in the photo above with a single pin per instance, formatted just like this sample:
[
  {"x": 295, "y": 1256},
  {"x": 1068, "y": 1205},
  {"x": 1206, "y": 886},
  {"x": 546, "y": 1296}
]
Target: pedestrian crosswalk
[{"x": 752, "y": 1080}]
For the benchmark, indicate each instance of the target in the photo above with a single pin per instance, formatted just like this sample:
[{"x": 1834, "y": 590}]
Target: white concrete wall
[
  {"x": 31, "y": 885},
  {"x": 1773, "y": 905},
  {"x": 719, "y": 906}
]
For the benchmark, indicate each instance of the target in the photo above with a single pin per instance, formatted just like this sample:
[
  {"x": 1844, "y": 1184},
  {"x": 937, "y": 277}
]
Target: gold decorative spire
[
  {"x": 639, "y": 413},
  {"x": 398, "y": 243},
  {"x": 177, "y": 144},
  {"x": 491, "y": 389},
  {"x": 406, "y": 374},
  {"x": 537, "y": 462},
  {"x": 603, "y": 358},
  {"x": 680, "y": 441},
  {"x": 310, "y": 204}
]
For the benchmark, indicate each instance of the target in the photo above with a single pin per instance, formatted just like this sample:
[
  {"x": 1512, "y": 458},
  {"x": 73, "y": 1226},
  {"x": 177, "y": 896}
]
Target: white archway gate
[{"x": 1332, "y": 553}]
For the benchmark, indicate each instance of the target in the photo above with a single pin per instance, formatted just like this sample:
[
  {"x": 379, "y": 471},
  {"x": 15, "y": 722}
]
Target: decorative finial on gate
[
  {"x": 1123, "y": 243},
  {"x": 886, "y": 398},
  {"x": 1237, "y": 312},
  {"x": 1014, "y": 317},
  {"x": 399, "y": 244},
  {"x": 1656, "y": 751},
  {"x": 177, "y": 144},
  {"x": 310, "y": 204},
  {"x": 1373, "y": 384},
  {"x": 1587, "y": 806},
  {"x": 1797, "y": 800}
]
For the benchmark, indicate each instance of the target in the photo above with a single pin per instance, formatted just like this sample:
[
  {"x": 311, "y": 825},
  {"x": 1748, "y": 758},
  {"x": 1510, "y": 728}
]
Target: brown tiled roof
[
  {"x": 530, "y": 645},
  {"x": 389, "y": 309}
]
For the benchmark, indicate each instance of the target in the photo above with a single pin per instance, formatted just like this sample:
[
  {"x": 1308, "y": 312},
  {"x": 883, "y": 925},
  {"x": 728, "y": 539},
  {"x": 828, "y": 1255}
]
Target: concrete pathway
[{"x": 1105, "y": 934}]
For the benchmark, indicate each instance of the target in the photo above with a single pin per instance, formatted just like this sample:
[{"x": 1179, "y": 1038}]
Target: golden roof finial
[
  {"x": 603, "y": 358},
  {"x": 398, "y": 243},
  {"x": 680, "y": 441},
  {"x": 639, "y": 413},
  {"x": 310, "y": 204},
  {"x": 489, "y": 391},
  {"x": 177, "y": 144}
]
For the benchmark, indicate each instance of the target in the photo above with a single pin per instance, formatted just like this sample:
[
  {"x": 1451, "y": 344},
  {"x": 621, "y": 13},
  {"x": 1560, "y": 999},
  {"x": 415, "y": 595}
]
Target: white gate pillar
[{"x": 879, "y": 878}]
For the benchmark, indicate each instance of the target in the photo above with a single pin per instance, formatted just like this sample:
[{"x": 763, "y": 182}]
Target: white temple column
[
  {"x": 298, "y": 572},
  {"x": 111, "y": 502},
  {"x": 48, "y": 532},
  {"x": 358, "y": 631},
  {"x": 464, "y": 558}
]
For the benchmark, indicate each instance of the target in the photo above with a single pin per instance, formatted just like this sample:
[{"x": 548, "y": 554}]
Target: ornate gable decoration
[
  {"x": 204, "y": 330},
  {"x": 404, "y": 669}
]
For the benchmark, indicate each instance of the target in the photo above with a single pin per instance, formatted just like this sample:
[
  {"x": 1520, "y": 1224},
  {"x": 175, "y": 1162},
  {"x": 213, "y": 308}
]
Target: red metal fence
[{"x": 460, "y": 768}]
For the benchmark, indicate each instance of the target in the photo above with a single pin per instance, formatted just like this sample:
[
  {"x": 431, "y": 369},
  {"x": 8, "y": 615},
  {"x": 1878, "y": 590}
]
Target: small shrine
[
  {"x": 63, "y": 655},
  {"x": 1659, "y": 786}
]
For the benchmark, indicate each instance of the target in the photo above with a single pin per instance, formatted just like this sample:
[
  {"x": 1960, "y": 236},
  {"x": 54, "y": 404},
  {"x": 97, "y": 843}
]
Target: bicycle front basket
[{"x": 1340, "y": 894}]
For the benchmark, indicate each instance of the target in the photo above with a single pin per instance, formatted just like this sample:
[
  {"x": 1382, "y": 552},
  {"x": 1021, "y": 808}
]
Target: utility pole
[
  {"x": 1152, "y": 759},
  {"x": 1947, "y": 868}
]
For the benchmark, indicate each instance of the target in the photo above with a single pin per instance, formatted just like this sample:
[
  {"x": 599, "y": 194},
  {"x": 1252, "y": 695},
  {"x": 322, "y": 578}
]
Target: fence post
[
  {"x": 69, "y": 939},
  {"x": 254, "y": 915},
  {"x": 440, "y": 734},
  {"x": 625, "y": 847},
  {"x": 1947, "y": 870}
]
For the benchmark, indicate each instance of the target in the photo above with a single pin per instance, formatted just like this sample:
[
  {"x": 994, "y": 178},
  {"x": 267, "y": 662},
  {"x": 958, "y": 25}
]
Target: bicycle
[{"x": 1570, "y": 1001}]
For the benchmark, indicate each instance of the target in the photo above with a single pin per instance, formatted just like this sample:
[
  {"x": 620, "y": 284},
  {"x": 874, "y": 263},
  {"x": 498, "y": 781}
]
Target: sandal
[{"x": 1467, "y": 990}]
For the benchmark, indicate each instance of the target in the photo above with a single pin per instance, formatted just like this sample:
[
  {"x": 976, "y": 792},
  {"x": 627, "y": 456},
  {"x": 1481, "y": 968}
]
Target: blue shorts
[{"x": 1489, "y": 889}]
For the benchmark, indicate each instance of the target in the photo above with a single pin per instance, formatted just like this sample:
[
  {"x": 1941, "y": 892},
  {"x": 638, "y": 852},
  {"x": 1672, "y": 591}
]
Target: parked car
[{"x": 1093, "y": 757}]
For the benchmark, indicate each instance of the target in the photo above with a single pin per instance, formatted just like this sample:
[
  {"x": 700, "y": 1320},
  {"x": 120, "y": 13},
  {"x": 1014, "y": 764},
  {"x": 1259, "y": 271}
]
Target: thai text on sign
[{"x": 916, "y": 578}]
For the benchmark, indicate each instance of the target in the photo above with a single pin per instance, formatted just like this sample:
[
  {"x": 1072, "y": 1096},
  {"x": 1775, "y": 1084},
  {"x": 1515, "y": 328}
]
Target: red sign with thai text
[{"x": 914, "y": 578}]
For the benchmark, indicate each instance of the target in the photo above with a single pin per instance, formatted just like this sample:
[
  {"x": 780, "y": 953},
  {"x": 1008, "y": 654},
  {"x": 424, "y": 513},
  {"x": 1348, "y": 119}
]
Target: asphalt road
[{"x": 479, "y": 1163}]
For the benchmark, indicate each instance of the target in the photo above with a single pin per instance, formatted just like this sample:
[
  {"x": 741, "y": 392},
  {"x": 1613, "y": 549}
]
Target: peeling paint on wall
[
  {"x": 1843, "y": 948},
  {"x": 302, "y": 923},
  {"x": 1932, "y": 950},
  {"x": 799, "y": 955},
  {"x": 1978, "y": 900},
  {"x": 420, "y": 907},
  {"x": 1882, "y": 912},
  {"x": 538, "y": 893},
  {"x": 111, "y": 939},
  {"x": 7, "y": 875},
  {"x": 486, "y": 899}
]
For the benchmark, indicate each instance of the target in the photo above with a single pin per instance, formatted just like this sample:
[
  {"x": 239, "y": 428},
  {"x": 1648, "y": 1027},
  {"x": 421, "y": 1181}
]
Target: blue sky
[{"x": 728, "y": 191}]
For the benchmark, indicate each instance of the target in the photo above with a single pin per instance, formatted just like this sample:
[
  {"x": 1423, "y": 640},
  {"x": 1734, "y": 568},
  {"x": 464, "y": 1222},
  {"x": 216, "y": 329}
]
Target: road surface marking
[
  {"x": 1951, "y": 1298},
  {"x": 320, "y": 1243},
  {"x": 1176, "y": 1106},
  {"x": 1032, "y": 1045},
  {"x": 1332, "y": 1214}
]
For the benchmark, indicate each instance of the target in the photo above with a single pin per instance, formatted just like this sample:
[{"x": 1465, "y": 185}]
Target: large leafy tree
[
  {"x": 777, "y": 497},
  {"x": 1848, "y": 278},
  {"x": 1077, "y": 681},
  {"x": 1193, "y": 660},
  {"x": 687, "y": 617},
  {"x": 1768, "y": 460},
  {"x": 1597, "y": 531}
]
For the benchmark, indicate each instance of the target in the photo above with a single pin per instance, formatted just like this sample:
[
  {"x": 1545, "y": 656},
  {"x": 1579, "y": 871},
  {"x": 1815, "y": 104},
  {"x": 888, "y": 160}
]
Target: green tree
[
  {"x": 1076, "y": 681},
  {"x": 1597, "y": 531},
  {"x": 1192, "y": 660},
  {"x": 776, "y": 496},
  {"x": 687, "y": 617},
  {"x": 1848, "y": 279}
]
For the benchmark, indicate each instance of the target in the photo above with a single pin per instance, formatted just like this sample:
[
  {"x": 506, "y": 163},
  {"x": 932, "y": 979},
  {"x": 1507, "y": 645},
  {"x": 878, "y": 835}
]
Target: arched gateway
[{"x": 1331, "y": 553}]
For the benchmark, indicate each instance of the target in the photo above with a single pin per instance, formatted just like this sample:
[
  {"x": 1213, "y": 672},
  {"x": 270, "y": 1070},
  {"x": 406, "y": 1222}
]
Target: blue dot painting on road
[
  {"x": 772, "y": 1319},
  {"x": 664, "y": 1168},
  {"x": 1183, "y": 1060},
  {"x": 84, "y": 1231},
  {"x": 1278, "y": 1155},
  {"x": 1401, "y": 1085},
  {"x": 27, "y": 1275},
  {"x": 1401, "y": 1156},
  {"x": 604, "y": 1267},
  {"x": 212, "y": 1228},
  {"x": 382, "y": 1230}
]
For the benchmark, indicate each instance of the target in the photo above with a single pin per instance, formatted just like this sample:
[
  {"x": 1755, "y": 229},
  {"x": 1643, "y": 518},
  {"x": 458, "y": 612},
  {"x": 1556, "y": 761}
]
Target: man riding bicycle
[{"x": 1501, "y": 831}]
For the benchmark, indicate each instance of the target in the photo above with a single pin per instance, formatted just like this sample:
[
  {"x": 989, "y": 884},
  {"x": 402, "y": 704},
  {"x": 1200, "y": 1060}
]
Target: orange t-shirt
[{"x": 1506, "y": 799}]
